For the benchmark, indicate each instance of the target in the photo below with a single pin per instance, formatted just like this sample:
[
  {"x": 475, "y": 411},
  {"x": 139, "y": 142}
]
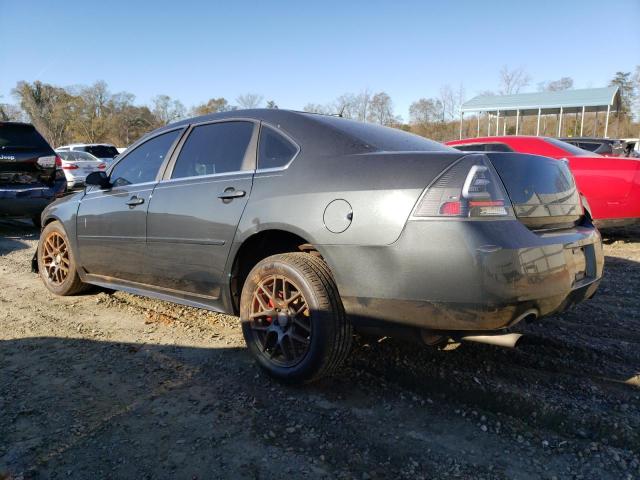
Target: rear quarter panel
[{"x": 382, "y": 189}]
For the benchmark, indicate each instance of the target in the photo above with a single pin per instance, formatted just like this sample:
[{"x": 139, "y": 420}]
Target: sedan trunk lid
[{"x": 542, "y": 190}]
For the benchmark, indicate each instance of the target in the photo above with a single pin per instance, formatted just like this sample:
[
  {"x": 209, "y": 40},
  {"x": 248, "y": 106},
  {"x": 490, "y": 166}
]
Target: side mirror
[{"x": 98, "y": 179}]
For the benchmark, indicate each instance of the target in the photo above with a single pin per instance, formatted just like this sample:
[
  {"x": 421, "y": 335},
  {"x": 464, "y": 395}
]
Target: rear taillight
[
  {"x": 70, "y": 166},
  {"x": 47, "y": 161},
  {"x": 470, "y": 188},
  {"x": 102, "y": 166}
]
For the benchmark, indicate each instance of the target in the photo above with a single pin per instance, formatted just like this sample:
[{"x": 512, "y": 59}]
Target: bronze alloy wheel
[
  {"x": 280, "y": 320},
  {"x": 55, "y": 258}
]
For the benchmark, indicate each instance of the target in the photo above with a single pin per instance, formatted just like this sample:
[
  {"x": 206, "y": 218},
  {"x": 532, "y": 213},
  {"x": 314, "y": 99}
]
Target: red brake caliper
[{"x": 271, "y": 305}]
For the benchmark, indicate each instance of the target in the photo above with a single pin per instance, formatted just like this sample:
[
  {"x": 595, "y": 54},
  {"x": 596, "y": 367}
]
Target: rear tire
[
  {"x": 293, "y": 319},
  {"x": 56, "y": 262}
]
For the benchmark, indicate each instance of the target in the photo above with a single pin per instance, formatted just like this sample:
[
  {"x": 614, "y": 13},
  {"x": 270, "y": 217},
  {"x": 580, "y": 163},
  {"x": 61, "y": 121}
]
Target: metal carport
[{"x": 543, "y": 103}]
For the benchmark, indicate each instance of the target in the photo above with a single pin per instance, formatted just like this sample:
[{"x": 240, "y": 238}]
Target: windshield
[
  {"x": 567, "y": 147},
  {"x": 102, "y": 151},
  {"x": 75, "y": 156},
  {"x": 21, "y": 136},
  {"x": 382, "y": 138}
]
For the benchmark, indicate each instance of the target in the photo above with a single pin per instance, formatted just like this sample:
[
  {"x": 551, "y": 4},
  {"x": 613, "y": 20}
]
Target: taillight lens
[
  {"x": 470, "y": 188},
  {"x": 102, "y": 166},
  {"x": 70, "y": 166}
]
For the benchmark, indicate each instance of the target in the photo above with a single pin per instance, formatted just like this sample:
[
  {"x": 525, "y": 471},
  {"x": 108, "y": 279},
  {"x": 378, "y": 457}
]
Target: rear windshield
[
  {"x": 74, "y": 156},
  {"x": 381, "y": 138},
  {"x": 567, "y": 147},
  {"x": 102, "y": 151},
  {"x": 21, "y": 136}
]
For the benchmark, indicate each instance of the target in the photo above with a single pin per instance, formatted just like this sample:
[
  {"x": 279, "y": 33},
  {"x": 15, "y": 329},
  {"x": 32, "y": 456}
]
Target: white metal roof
[{"x": 593, "y": 99}]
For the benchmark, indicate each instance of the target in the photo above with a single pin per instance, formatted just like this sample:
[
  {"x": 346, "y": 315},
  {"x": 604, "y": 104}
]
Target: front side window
[
  {"x": 143, "y": 163},
  {"x": 275, "y": 150},
  {"x": 215, "y": 148}
]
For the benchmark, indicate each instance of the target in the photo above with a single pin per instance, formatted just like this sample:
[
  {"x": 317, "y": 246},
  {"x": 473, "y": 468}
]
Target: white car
[
  {"x": 103, "y": 151},
  {"x": 77, "y": 165}
]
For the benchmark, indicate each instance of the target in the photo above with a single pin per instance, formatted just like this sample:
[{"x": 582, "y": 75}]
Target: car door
[
  {"x": 111, "y": 223},
  {"x": 195, "y": 209}
]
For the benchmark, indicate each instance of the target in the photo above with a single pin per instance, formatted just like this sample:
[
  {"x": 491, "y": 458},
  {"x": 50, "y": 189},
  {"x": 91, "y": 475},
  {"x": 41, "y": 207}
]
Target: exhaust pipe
[{"x": 508, "y": 340}]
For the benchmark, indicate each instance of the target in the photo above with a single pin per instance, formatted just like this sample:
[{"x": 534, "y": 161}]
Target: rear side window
[
  {"x": 21, "y": 136},
  {"x": 484, "y": 147},
  {"x": 474, "y": 147},
  {"x": 144, "y": 161},
  {"x": 275, "y": 150},
  {"x": 102, "y": 151},
  {"x": 215, "y": 148}
]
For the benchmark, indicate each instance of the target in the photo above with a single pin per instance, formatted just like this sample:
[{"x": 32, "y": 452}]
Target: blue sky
[{"x": 296, "y": 52}]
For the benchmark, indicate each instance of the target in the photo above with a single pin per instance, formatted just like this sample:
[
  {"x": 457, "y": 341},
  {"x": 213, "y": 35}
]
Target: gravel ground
[{"x": 111, "y": 385}]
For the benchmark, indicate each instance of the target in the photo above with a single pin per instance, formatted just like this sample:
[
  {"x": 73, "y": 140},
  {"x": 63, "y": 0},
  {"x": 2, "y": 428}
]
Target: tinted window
[
  {"x": 143, "y": 163},
  {"x": 214, "y": 148},
  {"x": 484, "y": 147},
  {"x": 275, "y": 150},
  {"x": 567, "y": 147},
  {"x": 102, "y": 151},
  {"x": 21, "y": 136},
  {"x": 77, "y": 156},
  {"x": 379, "y": 137},
  {"x": 474, "y": 147}
]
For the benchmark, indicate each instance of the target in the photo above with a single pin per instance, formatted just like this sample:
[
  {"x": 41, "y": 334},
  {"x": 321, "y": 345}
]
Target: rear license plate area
[{"x": 583, "y": 263}]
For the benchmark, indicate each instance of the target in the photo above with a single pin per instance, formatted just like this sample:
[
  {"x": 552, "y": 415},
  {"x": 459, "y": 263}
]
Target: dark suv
[{"x": 30, "y": 174}]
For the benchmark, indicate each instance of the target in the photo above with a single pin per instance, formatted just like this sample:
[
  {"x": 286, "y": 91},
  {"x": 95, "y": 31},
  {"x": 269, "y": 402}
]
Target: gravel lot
[{"x": 118, "y": 386}]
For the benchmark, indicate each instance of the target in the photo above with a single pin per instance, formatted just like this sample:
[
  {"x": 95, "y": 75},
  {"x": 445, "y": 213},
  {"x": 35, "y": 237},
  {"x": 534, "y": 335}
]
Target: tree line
[{"x": 94, "y": 114}]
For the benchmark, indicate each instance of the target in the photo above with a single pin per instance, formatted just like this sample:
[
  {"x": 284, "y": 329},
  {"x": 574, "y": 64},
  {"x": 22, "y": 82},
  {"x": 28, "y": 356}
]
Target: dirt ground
[{"x": 118, "y": 386}]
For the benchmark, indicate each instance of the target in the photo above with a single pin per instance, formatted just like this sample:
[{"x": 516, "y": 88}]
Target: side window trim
[
  {"x": 287, "y": 137},
  {"x": 144, "y": 140},
  {"x": 251, "y": 155}
]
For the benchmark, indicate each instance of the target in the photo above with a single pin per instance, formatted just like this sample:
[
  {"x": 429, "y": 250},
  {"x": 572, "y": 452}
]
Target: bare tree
[
  {"x": 166, "y": 110},
  {"x": 213, "y": 105},
  {"x": 51, "y": 109},
  {"x": 425, "y": 110},
  {"x": 512, "y": 81},
  {"x": 564, "y": 83},
  {"x": 381, "y": 109},
  {"x": 316, "y": 108},
  {"x": 11, "y": 113},
  {"x": 249, "y": 100}
]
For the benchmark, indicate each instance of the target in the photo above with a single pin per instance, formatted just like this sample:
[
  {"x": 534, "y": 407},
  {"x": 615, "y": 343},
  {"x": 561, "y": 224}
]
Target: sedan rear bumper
[{"x": 467, "y": 275}]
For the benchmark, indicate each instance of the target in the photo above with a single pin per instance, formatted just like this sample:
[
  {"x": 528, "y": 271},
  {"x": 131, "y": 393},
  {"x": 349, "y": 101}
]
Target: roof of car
[
  {"x": 26, "y": 124},
  {"x": 324, "y": 132},
  {"x": 502, "y": 138},
  {"x": 590, "y": 139},
  {"x": 86, "y": 145}
]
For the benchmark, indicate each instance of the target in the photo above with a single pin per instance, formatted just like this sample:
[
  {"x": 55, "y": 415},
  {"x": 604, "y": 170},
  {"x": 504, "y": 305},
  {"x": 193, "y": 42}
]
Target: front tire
[
  {"x": 56, "y": 262},
  {"x": 292, "y": 318}
]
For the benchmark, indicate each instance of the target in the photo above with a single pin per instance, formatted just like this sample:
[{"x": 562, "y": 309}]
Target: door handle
[
  {"x": 231, "y": 193},
  {"x": 133, "y": 201}
]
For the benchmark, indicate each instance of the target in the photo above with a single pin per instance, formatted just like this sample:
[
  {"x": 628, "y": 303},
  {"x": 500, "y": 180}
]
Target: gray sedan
[{"x": 308, "y": 226}]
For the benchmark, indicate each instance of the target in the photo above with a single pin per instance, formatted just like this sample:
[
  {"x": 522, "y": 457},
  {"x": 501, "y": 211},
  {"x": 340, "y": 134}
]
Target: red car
[{"x": 610, "y": 186}]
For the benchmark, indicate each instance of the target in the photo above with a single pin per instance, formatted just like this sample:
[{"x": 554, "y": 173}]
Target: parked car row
[{"x": 309, "y": 226}]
